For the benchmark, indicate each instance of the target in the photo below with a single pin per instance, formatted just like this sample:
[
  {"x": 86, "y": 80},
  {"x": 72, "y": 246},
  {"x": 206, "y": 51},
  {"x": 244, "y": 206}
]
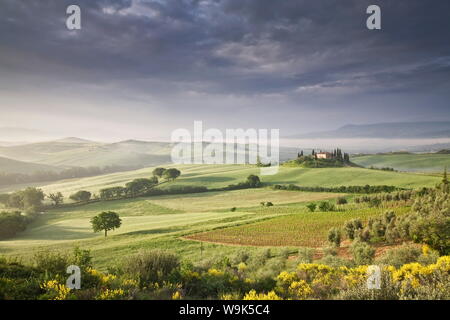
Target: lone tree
[
  {"x": 253, "y": 181},
  {"x": 158, "y": 172},
  {"x": 56, "y": 198},
  {"x": 171, "y": 174},
  {"x": 106, "y": 221}
]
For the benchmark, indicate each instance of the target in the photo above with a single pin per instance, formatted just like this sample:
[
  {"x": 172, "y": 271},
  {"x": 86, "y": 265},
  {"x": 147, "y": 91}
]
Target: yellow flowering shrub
[
  {"x": 176, "y": 295},
  {"x": 252, "y": 295},
  {"x": 215, "y": 272},
  {"x": 104, "y": 279},
  {"x": 354, "y": 276},
  {"x": 56, "y": 290},
  {"x": 111, "y": 294},
  {"x": 300, "y": 290}
]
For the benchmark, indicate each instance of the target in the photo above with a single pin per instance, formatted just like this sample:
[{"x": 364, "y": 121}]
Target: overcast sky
[{"x": 142, "y": 68}]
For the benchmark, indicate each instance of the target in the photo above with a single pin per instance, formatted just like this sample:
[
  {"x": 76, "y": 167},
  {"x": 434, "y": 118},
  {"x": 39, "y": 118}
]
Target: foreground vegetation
[{"x": 258, "y": 276}]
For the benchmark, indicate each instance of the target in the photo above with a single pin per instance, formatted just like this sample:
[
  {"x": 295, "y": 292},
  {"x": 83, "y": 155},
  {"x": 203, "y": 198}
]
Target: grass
[
  {"x": 164, "y": 222},
  {"x": 427, "y": 162},
  {"x": 216, "y": 176},
  {"x": 145, "y": 220},
  {"x": 303, "y": 229}
]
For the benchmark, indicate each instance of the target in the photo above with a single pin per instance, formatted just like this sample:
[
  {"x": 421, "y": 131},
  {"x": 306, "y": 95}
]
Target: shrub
[
  {"x": 362, "y": 252},
  {"x": 351, "y": 228},
  {"x": 52, "y": 263},
  {"x": 400, "y": 256},
  {"x": 334, "y": 236},
  {"x": 341, "y": 200},
  {"x": 325, "y": 206},
  {"x": 253, "y": 181},
  {"x": 151, "y": 266},
  {"x": 312, "y": 207},
  {"x": 11, "y": 223},
  {"x": 240, "y": 256},
  {"x": 269, "y": 204},
  {"x": 305, "y": 255},
  {"x": 233, "y": 209}
]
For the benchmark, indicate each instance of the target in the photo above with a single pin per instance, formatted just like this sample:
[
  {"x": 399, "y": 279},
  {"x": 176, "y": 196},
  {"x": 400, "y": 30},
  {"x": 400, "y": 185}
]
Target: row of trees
[
  {"x": 31, "y": 199},
  {"x": 342, "y": 189}
]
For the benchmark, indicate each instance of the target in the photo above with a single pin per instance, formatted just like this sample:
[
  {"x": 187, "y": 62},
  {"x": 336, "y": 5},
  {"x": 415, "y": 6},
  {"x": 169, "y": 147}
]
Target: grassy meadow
[
  {"x": 169, "y": 221},
  {"x": 217, "y": 176},
  {"x": 426, "y": 162}
]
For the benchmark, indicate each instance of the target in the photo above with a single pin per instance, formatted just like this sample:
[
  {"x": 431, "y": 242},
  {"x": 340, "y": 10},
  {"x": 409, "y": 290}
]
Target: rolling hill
[
  {"x": 15, "y": 166},
  {"x": 216, "y": 176},
  {"x": 428, "y": 162},
  {"x": 74, "y": 152}
]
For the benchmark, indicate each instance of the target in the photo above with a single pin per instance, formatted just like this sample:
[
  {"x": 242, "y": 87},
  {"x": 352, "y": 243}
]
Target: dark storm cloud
[{"x": 304, "y": 51}]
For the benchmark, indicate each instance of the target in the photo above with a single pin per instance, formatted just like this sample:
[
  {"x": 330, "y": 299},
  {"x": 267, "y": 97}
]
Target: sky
[{"x": 139, "y": 69}]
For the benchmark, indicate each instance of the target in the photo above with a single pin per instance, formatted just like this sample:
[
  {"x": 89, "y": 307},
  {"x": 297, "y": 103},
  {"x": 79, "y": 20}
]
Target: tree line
[{"x": 340, "y": 189}]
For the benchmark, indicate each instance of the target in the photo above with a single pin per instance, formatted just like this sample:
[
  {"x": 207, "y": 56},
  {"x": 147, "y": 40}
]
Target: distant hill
[
  {"x": 425, "y": 162},
  {"x": 394, "y": 130},
  {"x": 15, "y": 166},
  {"x": 75, "y": 152}
]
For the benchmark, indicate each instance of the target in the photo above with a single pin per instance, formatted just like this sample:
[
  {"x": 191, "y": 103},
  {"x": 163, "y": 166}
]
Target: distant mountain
[
  {"x": 15, "y": 166},
  {"x": 394, "y": 130}
]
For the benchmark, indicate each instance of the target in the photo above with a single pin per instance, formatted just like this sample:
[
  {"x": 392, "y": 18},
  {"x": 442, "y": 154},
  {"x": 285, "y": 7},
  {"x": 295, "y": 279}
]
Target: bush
[
  {"x": 52, "y": 263},
  {"x": 334, "y": 236},
  {"x": 11, "y": 223},
  {"x": 325, "y": 206},
  {"x": 151, "y": 266},
  {"x": 351, "y": 227},
  {"x": 362, "y": 252},
  {"x": 400, "y": 256},
  {"x": 240, "y": 256},
  {"x": 341, "y": 200},
  {"x": 334, "y": 261},
  {"x": 312, "y": 207},
  {"x": 305, "y": 255}
]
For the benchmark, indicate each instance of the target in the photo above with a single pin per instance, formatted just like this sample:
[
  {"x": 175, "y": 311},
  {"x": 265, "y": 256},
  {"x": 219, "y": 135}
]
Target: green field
[
  {"x": 427, "y": 162},
  {"x": 166, "y": 221},
  {"x": 216, "y": 176},
  {"x": 151, "y": 222},
  {"x": 302, "y": 229}
]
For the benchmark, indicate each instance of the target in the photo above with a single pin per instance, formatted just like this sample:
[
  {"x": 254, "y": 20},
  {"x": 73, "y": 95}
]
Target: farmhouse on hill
[{"x": 324, "y": 155}]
